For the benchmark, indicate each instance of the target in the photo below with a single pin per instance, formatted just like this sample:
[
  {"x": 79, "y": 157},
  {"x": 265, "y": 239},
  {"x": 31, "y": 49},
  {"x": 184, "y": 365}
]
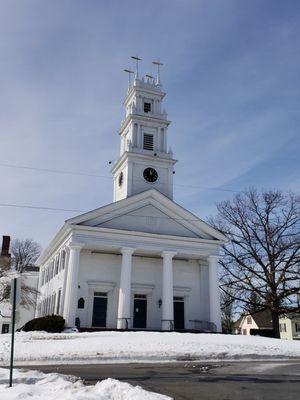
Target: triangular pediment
[{"x": 149, "y": 212}]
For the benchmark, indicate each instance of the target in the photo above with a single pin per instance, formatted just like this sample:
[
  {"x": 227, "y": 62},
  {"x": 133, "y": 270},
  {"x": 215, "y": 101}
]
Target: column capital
[
  {"x": 214, "y": 258},
  {"x": 170, "y": 253},
  {"x": 127, "y": 250},
  {"x": 75, "y": 245}
]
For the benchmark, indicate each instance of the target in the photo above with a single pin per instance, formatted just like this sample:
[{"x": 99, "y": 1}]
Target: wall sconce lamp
[{"x": 159, "y": 303}]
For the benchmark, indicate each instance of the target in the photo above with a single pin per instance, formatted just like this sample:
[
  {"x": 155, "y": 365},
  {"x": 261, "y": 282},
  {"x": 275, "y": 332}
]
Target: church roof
[{"x": 149, "y": 212}]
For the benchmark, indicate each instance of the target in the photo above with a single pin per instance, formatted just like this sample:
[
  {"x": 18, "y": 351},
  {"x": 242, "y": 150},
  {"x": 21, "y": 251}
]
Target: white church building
[{"x": 143, "y": 261}]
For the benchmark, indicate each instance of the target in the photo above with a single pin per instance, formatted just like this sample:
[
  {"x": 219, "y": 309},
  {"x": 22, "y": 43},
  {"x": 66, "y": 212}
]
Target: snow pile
[
  {"x": 35, "y": 385},
  {"x": 97, "y": 347}
]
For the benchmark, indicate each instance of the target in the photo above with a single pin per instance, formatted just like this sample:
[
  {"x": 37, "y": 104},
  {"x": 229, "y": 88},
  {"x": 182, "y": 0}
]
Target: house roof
[
  {"x": 263, "y": 319},
  {"x": 293, "y": 315},
  {"x": 238, "y": 322}
]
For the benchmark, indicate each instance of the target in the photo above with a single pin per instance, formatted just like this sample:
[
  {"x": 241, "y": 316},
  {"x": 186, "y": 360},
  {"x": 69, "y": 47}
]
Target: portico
[{"x": 124, "y": 286}]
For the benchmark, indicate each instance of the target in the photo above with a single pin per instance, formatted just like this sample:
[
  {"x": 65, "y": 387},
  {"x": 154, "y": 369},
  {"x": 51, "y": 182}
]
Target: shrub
[
  {"x": 262, "y": 332},
  {"x": 49, "y": 323}
]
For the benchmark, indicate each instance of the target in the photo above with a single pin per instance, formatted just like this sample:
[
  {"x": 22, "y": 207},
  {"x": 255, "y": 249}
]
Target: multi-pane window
[
  {"x": 140, "y": 296},
  {"x": 63, "y": 258},
  {"x": 100, "y": 294},
  {"x": 249, "y": 320},
  {"x": 148, "y": 142},
  {"x": 282, "y": 327},
  {"x": 56, "y": 265},
  {"x": 297, "y": 327},
  {"x": 58, "y": 301},
  {"x": 5, "y": 328},
  {"x": 244, "y": 331},
  {"x": 147, "y": 107}
]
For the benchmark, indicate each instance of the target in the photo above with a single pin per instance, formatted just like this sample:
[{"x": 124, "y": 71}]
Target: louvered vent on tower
[{"x": 148, "y": 142}]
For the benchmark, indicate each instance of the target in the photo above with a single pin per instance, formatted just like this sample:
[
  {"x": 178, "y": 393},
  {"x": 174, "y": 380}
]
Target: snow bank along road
[
  {"x": 118, "y": 347},
  {"x": 35, "y": 385}
]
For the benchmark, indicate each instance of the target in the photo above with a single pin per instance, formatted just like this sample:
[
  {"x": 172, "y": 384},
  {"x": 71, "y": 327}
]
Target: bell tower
[{"x": 145, "y": 160}]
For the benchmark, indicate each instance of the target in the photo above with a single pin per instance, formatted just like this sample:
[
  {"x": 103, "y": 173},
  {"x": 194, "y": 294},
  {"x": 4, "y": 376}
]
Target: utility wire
[
  {"x": 58, "y": 171},
  {"x": 112, "y": 214}
]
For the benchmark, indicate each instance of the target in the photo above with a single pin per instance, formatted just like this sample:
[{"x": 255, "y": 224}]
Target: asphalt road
[{"x": 260, "y": 380}]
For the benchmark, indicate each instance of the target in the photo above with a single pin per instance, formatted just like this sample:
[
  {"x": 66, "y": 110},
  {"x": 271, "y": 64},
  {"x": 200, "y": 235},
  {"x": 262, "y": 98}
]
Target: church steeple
[{"x": 145, "y": 161}]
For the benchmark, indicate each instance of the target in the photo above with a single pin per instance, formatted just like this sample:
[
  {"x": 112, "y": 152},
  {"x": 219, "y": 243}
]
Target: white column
[
  {"x": 70, "y": 301},
  {"x": 167, "y": 291},
  {"x": 125, "y": 289},
  {"x": 214, "y": 292}
]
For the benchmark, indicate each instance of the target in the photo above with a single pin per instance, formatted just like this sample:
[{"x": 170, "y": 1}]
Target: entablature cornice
[
  {"x": 95, "y": 238},
  {"x": 132, "y": 156},
  {"x": 141, "y": 117}
]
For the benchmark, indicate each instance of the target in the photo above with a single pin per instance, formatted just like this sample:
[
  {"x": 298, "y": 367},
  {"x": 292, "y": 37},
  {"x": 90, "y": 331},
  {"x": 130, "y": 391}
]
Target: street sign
[
  {"x": 18, "y": 290},
  {"x": 15, "y": 298}
]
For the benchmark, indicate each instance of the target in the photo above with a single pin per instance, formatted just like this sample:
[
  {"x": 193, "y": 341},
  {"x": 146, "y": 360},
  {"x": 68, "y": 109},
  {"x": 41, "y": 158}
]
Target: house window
[
  {"x": 148, "y": 142},
  {"x": 5, "y": 328},
  {"x": 249, "y": 320},
  {"x": 297, "y": 327},
  {"x": 244, "y": 331},
  {"x": 147, "y": 107},
  {"x": 282, "y": 327}
]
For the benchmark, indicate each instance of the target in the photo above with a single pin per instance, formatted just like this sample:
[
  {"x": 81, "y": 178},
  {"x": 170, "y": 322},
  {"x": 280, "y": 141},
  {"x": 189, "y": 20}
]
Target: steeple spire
[{"x": 144, "y": 161}]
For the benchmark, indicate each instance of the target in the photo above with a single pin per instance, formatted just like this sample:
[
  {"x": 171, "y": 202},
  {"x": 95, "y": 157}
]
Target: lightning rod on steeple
[
  {"x": 137, "y": 59},
  {"x": 158, "y": 64},
  {"x": 129, "y": 75}
]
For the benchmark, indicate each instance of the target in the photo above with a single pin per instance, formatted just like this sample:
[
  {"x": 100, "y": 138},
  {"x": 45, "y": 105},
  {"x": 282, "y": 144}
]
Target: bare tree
[
  {"x": 24, "y": 254},
  {"x": 261, "y": 262},
  {"x": 5, "y": 272},
  {"x": 227, "y": 311}
]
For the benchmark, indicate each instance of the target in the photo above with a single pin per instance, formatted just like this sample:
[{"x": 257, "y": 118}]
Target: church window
[
  {"x": 58, "y": 301},
  {"x": 56, "y": 265},
  {"x": 100, "y": 294},
  {"x": 148, "y": 142},
  {"x": 62, "y": 260},
  {"x": 147, "y": 107},
  {"x": 81, "y": 303}
]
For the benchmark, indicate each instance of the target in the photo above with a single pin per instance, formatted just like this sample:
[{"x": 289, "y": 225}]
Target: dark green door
[
  {"x": 140, "y": 312},
  {"x": 99, "y": 312},
  {"x": 178, "y": 313}
]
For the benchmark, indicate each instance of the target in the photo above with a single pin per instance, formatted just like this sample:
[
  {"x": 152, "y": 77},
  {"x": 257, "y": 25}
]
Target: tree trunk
[{"x": 275, "y": 322}]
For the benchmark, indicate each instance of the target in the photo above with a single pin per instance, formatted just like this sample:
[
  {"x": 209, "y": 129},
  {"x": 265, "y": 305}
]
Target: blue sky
[{"x": 231, "y": 72}]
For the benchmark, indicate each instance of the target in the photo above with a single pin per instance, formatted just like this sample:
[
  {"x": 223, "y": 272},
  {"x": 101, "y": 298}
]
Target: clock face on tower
[{"x": 150, "y": 174}]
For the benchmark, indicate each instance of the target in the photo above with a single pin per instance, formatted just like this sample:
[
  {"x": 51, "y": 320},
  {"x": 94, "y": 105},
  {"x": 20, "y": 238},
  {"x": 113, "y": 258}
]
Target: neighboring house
[
  {"x": 142, "y": 262},
  {"x": 289, "y": 326},
  {"x": 257, "y": 320},
  {"x": 29, "y": 278}
]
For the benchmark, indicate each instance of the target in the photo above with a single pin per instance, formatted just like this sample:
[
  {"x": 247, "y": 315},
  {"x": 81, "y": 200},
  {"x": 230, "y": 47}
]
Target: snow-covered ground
[
  {"x": 41, "y": 347},
  {"x": 35, "y": 385}
]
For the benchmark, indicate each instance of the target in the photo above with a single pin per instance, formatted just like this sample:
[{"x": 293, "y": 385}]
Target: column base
[
  {"x": 123, "y": 323},
  {"x": 167, "y": 325}
]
